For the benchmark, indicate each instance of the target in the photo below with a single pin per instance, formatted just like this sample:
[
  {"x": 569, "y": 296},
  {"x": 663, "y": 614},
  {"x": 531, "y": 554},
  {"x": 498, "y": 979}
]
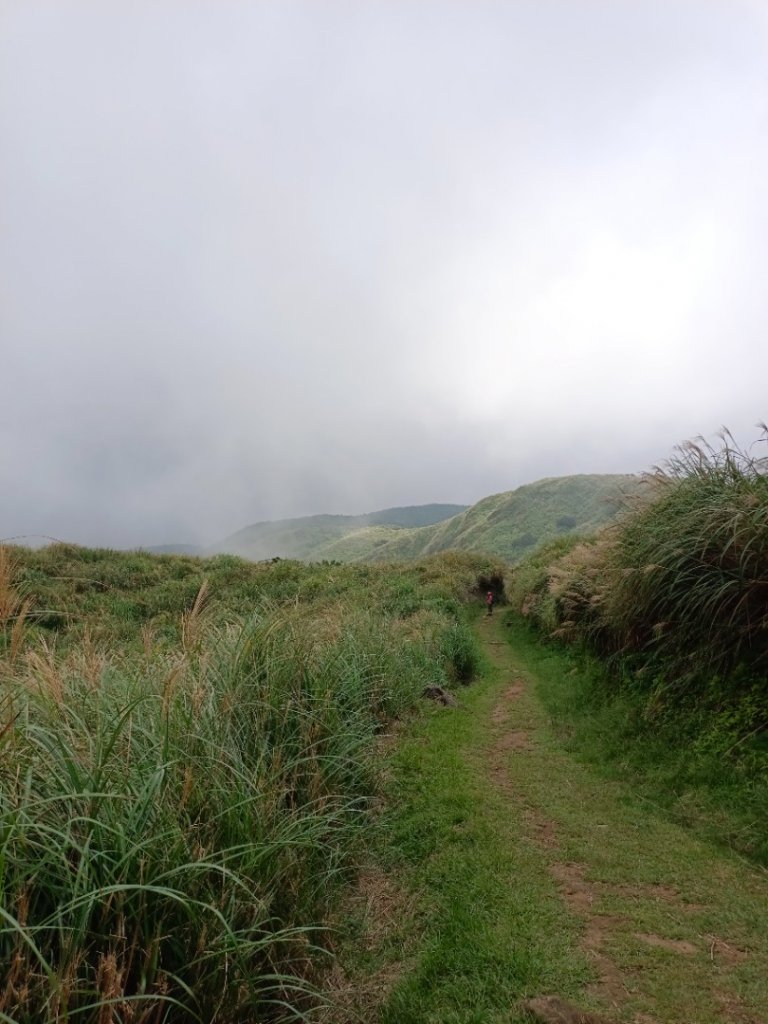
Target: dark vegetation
[
  {"x": 673, "y": 601},
  {"x": 188, "y": 760}
]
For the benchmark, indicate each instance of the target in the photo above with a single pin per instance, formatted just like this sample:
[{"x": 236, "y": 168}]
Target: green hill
[
  {"x": 508, "y": 525},
  {"x": 512, "y": 524},
  {"x": 310, "y": 536}
]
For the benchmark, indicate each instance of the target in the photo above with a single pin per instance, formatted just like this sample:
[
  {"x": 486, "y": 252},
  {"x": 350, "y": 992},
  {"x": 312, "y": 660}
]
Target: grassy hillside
[
  {"x": 508, "y": 525},
  {"x": 193, "y": 759},
  {"x": 310, "y": 536}
]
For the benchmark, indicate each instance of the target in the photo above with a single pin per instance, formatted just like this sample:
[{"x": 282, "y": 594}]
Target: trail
[
  {"x": 510, "y": 878},
  {"x": 674, "y": 929}
]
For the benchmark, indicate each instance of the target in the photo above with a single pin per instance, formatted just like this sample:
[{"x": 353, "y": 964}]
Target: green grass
[
  {"x": 190, "y": 766},
  {"x": 480, "y": 925},
  {"x": 674, "y": 599},
  {"x": 472, "y": 921},
  {"x": 674, "y": 761},
  {"x": 649, "y": 871},
  {"x": 323, "y": 536},
  {"x": 512, "y": 524}
]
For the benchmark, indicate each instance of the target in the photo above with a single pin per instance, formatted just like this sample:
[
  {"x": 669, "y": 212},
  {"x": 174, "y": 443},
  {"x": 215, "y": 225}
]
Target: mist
[{"x": 279, "y": 258}]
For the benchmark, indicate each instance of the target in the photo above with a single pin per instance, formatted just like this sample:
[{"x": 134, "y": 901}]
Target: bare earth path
[{"x": 675, "y": 930}]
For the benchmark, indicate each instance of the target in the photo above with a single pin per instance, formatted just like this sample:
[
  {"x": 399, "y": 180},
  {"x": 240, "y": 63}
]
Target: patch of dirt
[
  {"x": 580, "y": 897},
  {"x": 553, "y": 1010},
  {"x": 723, "y": 952},
  {"x": 543, "y": 830},
  {"x": 507, "y": 740},
  {"x": 672, "y": 945},
  {"x": 517, "y": 739},
  {"x": 501, "y": 712},
  {"x": 661, "y": 893},
  {"x": 380, "y": 906},
  {"x": 610, "y": 986},
  {"x": 733, "y": 1011},
  {"x": 578, "y": 894}
]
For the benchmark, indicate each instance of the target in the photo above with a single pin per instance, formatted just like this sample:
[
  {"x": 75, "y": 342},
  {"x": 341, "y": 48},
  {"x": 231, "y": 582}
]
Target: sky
[{"x": 274, "y": 258}]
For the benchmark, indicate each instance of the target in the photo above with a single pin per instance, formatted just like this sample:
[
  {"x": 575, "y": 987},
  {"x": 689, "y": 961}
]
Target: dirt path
[
  {"x": 509, "y": 883},
  {"x": 676, "y": 932}
]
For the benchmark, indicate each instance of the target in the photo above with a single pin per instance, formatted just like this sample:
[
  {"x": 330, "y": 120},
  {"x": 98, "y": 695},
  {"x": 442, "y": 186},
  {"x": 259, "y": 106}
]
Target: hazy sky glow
[{"x": 273, "y": 258}]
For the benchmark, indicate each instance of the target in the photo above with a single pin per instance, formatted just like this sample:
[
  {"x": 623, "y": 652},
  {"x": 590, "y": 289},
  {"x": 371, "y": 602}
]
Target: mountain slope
[
  {"x": 508, "y": 525},
  {"x": 308, "y": 537}
]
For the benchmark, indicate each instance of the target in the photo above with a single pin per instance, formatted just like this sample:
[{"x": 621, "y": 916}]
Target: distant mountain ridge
[
  {"x": 308, "y": 537},
  {"x": 509, "y": 525}
]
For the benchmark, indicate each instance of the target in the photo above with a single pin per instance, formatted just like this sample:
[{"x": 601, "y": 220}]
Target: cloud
[{"x": 288, "y": 257}]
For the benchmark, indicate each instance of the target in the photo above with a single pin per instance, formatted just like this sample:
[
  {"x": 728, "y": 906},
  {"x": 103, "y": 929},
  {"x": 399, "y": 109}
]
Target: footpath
[{"x": 513, "y": 885}]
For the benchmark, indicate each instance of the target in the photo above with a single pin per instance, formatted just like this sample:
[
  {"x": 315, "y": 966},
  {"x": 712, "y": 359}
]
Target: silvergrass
[
  {"x": 676, "y": 591},
  {"x": 175, "y": 818}
]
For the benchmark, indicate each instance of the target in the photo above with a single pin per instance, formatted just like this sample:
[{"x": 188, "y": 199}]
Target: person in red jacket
[{"x": 489, "y": 602}]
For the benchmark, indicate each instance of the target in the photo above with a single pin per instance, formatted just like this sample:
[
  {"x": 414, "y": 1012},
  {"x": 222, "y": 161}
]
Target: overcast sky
[{"x": 274, "y": 258}]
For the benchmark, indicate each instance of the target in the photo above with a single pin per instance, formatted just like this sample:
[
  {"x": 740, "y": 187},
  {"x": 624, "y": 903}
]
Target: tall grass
[
  {"x": 674, "y": 601},
  {"x": 690, "y": 571},
  {"x": 676, "y": 593},
  {"x": 175, "y": 818},
  {"x": 682, "y": 579}
]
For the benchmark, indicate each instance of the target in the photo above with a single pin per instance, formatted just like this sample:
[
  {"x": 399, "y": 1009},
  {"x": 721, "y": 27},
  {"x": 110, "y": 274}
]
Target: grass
[
  {"x": 189, "y": 767},
  {"x": 513, "y": 524},
  {"x": 479, "y": 925},
  {"x": 674, "y": 599},
  {"x": 323, "y": 536},
  {"x": 505, "y": 872},
  {"x": 646, "y": 872},
  {"x": 672, "y": 761}
]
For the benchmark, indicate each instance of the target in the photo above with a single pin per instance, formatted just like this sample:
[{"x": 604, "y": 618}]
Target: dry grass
[{"x": 10, "y": 598}]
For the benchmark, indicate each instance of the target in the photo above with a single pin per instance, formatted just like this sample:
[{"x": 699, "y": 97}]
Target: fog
[{"x": 273, "y": 258}]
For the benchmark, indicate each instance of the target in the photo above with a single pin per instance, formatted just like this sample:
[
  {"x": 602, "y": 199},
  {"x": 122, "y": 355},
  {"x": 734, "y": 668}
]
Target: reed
[
  {"x": 677, "y": 590},
  {"x": 180, "y": 808}
]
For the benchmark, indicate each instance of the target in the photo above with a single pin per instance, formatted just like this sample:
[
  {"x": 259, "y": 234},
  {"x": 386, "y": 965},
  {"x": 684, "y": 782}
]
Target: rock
[{"x": 441, "y": 696}]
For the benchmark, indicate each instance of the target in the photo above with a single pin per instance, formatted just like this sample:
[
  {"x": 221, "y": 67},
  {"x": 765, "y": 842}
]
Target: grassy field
[
  {"x": 189, "y": 764},
  {"x": 217, "y": 800},
  {"x": 512, "y": 523}
]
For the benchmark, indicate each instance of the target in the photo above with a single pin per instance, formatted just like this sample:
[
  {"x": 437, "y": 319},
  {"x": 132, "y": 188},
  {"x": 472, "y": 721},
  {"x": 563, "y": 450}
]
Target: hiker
[{"x": 489, "y": 602}]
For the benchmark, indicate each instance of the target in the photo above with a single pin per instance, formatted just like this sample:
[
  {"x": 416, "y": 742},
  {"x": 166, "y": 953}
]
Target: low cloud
[{"x": 274, "y": 259}]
